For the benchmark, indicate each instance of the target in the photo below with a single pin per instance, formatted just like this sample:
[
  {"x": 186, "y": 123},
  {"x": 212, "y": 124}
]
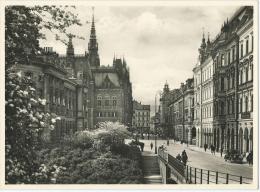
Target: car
[{"x": 234, "y": 157}]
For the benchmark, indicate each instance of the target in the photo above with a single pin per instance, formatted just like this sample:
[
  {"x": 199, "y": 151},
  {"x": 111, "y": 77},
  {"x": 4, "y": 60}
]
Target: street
[{"x": 203, "y": 160}]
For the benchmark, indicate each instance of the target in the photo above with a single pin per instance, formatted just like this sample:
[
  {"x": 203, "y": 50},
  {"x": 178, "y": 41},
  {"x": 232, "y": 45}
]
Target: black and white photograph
[{"x": 152, "y": 94}]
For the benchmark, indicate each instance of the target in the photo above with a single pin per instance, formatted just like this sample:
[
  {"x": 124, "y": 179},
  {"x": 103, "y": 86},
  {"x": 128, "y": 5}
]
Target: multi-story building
[
  {"x": 79, "y": 90},
  {"x": 231, "y": 95},
  {"x": 245, "y": 80},
  {"x": 203, "y": 95},
  {"x": 141, "y": 118},
  {"x": 181, "y": 107},
  {"x": 165, "y": 118}
]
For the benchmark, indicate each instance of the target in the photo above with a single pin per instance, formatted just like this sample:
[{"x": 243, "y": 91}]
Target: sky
[{"x": 159, "y": 44}]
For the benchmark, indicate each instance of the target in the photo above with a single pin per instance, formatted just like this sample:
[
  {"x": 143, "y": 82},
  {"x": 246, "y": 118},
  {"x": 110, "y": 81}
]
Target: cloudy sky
[{"x": 159, "y": 43}]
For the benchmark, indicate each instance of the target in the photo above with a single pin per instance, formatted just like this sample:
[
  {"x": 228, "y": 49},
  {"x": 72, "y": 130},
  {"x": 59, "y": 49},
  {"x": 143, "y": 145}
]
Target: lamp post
[{"x": 156, "y": 120}]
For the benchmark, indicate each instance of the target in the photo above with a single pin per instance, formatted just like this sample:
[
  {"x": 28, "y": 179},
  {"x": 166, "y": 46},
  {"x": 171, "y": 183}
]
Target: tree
[{"x": 24, "y": 117}]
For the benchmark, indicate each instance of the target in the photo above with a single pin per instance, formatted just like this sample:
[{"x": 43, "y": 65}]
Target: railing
[
  {"x": 203, "y": 176},
  {"x": 193, "y": 175}
]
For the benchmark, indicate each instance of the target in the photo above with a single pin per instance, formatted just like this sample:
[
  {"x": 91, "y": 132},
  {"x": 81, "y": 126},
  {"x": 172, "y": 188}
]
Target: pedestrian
[
  {"x": 221, "y": 151},
  {"x": 184, "y": 157},
  {"x": 211, "y": 149},
  {"x": 214, "y": 149},
  {"x": 142, "y": 146},
  {"x": 168, "y": 142},
  {"x": 205, "y": 147},
  {"x": 178, "y": 157},
  {"x": 249, "y": 158},
  {"x": 151, "y": 145}
]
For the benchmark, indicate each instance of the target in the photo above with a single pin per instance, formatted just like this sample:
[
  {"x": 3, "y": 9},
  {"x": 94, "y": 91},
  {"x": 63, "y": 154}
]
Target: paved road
[{"x": 200, "y": 159}]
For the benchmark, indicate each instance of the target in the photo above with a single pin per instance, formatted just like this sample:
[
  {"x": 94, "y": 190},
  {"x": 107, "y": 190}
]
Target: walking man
[
  {"x": 151, "y": 145},
  {"x": 184, "y": 157},
  {"x": 205, "y": 147},
  {"x": 221, "y": 151}
]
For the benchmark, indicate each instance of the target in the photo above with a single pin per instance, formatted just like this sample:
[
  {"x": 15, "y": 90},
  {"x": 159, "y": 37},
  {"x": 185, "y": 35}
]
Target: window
[
  {"x": 241, "y": 105},
  {"x": 252, "y": 106},
  {"x": 247, "y": 46},
  {"x": 222, "y": 84},
  {"x": 222, "y": 60},
  {"x": 233, "y": 54},
  {"x": 99, "y": 102},
  {"x": 246, "y": 74},
  {"x": 252, "y": 42},
  {"x": 233, "y": 106},
  {"x": 241, "y": 50},
  {"x": 229, "y": 57},
  {"x": 241, "y": 77},
  {"x": 106, "y": 102},
  {"x": 114, "y": 102},
  {"x": 246, "y": 104}
]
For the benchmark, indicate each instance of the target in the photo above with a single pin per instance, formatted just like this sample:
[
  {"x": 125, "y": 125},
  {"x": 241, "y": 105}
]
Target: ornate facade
[
  {"x": 141, "y": 118},
  {"x": 79, "y": 90}
]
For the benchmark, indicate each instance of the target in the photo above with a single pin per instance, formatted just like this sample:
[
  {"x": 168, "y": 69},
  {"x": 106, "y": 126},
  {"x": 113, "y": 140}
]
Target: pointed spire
[
  {"x": 208, "y": 42},
  {"x": 93, "y": 45},
  {"x": 203, "y": 43},
  {"x": 70, "y": 48}
]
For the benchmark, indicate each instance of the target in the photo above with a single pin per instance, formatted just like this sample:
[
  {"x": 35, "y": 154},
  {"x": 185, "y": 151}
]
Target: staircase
[{"x": 151, "y": 168}]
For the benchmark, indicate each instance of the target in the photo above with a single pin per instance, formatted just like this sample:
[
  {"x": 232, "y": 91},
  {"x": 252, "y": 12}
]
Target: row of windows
[
  {"x": 107, "y": 97},
  {"x": 138, "y": 113},
  {"x": 207, "y": 93},
  {"x": 246, "y": 104},
  {"x": 141, "y": 124},
  {"x": 207, "y": 111},
  {"x": 206, "y": 73},
  {"x": 106, "y": 103},
  {"x": 107, "y": 114},
  {"x": 245, "y": 48},
  {"x": 245, "y": 74}
]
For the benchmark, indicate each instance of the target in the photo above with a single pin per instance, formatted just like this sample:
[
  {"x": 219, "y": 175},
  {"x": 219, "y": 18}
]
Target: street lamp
[{"x": 156, "y": 120}]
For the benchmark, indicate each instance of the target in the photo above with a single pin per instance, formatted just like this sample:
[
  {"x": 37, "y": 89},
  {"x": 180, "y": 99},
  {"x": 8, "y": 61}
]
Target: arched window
[
  {"x": 246, "y": 104},
  {"x": 241, "y": 105},
  {"x": 246, "y": 46},
  {"x": 252, "y": 105},
  {"x": 222, "y": 60},
  {"x": 246, "y": 74}
]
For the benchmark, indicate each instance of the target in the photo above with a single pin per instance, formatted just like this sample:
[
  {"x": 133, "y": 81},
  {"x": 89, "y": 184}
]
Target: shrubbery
[{"x": 81, "y": 160}]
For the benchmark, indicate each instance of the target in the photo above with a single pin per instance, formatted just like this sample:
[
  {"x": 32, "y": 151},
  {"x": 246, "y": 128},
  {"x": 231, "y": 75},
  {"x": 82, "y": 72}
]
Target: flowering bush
[{"x": 24, "y": 125}]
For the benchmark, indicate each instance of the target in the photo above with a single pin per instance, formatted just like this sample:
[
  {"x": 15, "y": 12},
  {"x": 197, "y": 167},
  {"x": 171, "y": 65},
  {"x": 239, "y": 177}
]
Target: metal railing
[
  {"x": 193, "y": 175},
  {"x": 204, "y": 176}
]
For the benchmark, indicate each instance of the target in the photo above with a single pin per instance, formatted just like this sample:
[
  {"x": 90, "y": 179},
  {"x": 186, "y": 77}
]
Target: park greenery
[{"x": 98, "y": 156}]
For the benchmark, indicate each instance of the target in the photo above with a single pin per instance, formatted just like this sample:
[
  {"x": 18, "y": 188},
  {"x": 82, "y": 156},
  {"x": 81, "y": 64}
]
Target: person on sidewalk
[
  {"x": 211, "y": 149},
  {"x": 205, "y": 147},
  {"x": 221, "y": 151},
  {"x": 178, "y": 157},
  {"x": 151, "y": 145},
  {"x": 184, "y": 157},
  {"x": 249, "y": 158},
  {"x": 214, "y": 149}
]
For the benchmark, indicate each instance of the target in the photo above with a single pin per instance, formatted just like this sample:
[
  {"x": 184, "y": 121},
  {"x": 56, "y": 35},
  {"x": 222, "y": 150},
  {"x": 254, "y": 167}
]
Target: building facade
[
  {"x": 223, "y": 87},
  {"x": 181, "y": 109},
  {"x": 141, "y": 118},
  {"x": 79, "y": 90},
  {"x": 203, "y": 95}
]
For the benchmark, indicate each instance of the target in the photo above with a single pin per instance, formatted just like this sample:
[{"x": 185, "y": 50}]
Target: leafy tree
[{"x": 25, "y": 119}]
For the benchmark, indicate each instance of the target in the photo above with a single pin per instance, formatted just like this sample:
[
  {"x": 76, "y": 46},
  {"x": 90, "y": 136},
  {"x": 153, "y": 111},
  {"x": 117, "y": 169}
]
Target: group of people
[{"x": 183, "y": 157}]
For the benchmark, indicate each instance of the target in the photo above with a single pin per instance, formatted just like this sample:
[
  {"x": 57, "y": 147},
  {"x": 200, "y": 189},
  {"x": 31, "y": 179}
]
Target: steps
[{"x": 151, "y": 169}]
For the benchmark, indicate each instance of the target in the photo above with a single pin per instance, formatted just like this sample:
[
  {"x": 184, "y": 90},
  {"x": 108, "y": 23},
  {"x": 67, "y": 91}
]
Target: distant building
[
  {"x": 141, "y": 118},
  {"x": 181, "y": 108}
]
